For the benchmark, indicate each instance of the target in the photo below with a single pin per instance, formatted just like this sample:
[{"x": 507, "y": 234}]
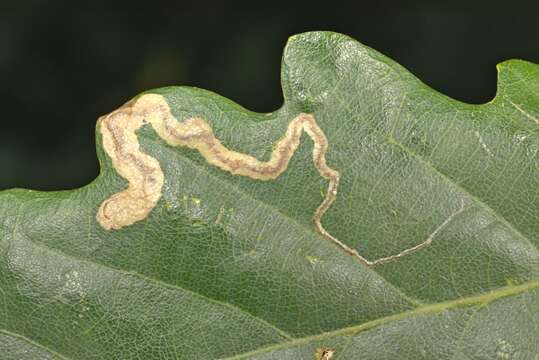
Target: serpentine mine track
[{"x": 146, "y": 178}]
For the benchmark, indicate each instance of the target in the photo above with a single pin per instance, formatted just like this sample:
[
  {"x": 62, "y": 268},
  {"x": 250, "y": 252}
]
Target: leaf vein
[
  {"x": 161, "y": 283},
  {"x": 33, "y": 343},
  {"x": 465, "y": 191},
  {"x": 435, "y": 308}
]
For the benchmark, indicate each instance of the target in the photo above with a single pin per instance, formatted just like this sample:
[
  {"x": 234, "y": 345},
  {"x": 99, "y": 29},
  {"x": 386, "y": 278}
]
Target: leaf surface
[{"x": 227, "y": 266}]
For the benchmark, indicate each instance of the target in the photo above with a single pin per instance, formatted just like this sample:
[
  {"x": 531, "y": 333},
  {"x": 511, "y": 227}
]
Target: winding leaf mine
[{"x": 146, "y": 178}]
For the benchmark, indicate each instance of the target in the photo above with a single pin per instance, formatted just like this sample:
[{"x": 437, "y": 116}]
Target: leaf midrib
[{"x": 482, "y": 299}]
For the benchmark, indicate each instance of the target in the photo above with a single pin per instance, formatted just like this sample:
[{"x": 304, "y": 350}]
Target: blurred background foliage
[{"x": 64, "y": 63}]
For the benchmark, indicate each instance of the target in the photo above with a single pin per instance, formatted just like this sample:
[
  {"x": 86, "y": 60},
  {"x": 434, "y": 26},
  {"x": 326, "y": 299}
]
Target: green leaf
[{"x": 214, "y": 265}]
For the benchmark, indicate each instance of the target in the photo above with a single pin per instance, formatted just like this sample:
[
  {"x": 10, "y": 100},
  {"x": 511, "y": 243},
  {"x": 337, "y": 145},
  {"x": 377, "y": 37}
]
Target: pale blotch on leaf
[
  {"x": 324, "y": 353},
  {"x": 251, "y": 253},
  {"x": 504, "y": 350},
  {"x": 146, "y": 178},
  {"x": 169, "y": 206},
  {"x": 312, "y": 259}
]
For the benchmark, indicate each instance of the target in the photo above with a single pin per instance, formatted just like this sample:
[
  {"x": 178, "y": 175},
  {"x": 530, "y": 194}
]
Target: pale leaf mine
[{"x": 146, "y": 178}]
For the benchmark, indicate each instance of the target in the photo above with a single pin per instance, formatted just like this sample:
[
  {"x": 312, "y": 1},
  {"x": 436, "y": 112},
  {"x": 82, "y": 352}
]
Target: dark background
[{"x": 63, "y": 64}]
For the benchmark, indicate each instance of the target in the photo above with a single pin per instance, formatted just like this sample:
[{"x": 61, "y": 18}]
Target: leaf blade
[{"x": 408, "y": 157}]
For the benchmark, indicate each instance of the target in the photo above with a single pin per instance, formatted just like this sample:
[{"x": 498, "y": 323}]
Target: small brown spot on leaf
[{"x": 324, "y": 353}]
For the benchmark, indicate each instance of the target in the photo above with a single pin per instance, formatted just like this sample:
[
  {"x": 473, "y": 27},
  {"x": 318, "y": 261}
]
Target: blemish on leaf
[
  {"x": 168, "y": 206},
  {"x": 511, "y": 282},
  {"x": 198, "y": 223},
  {"x": 220, "y": 215},
  {"x": 251, "y": 253},
  {"x": 322, "y": 192},
  {"x": 324, "y": 353},
  {"x": 312, "y": 259},
  {"x": 504, "y": 350},
  {"x": 145, "y": 177}
]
